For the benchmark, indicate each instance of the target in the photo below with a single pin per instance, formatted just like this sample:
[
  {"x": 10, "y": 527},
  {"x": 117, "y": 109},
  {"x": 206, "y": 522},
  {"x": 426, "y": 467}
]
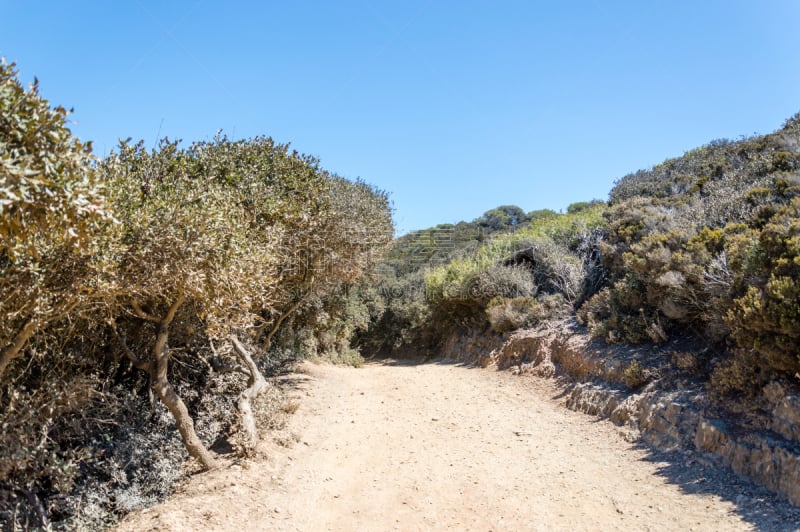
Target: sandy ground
[{"x": 444, "y": 447}]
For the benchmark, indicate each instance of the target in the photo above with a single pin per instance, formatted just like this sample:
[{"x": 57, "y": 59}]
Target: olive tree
[
  {"x": 50, "y": 208},
  {"x": 341, "y": 237},
  {"x": 189, "y": 250},
  {"x": 221, "y": 238}
]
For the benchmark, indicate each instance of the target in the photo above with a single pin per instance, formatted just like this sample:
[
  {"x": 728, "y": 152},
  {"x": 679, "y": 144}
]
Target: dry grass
[{"x": 290, "y": 406}]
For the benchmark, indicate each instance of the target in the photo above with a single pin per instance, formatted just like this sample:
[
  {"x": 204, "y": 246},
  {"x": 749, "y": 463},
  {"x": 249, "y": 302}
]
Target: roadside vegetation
[
  {"x": 704, "y": 247},
  {"x": 142, "y": 297},
  {"x": 146, "y": 297}
]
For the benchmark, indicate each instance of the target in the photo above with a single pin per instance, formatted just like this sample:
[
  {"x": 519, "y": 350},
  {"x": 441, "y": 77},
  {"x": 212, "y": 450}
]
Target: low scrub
[
  {"x": 509, "y": 314},
  {"x": 707, "y": 243}
]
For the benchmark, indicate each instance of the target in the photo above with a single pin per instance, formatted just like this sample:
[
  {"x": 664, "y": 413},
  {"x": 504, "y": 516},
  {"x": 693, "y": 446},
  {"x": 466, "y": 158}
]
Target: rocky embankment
[{"x": 649, "y": 394}]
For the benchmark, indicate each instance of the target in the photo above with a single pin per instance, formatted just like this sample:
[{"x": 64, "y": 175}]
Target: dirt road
[{"x": 441, "y": 447}]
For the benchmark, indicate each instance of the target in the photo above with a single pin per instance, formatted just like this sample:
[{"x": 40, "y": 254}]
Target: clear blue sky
[{"x": 454, "y": 107}]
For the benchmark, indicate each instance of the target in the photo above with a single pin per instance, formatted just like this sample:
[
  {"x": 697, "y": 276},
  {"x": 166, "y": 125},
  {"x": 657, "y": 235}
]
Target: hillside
[
  {"x": 692, "y": 268},
  {"x": 705, "y": 244},
  {"x": 147, "y": 297}
]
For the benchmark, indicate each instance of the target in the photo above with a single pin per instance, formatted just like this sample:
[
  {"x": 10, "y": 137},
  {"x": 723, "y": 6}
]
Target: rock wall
[{"x": 666, "y": 414}]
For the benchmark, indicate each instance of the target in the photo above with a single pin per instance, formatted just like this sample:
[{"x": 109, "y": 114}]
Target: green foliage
[
  {"x": 709, "y": 242},
  {"x": 501, "y": 281},
  {"x": 50, "y": 209},
  {"x": 463, "y": 276},
  {"x": 188, "y": 227},
  {"x": 508, "y": 314},
  {"x": 743, "y": 374},
  {"x": 138, "y": 272},
  {"x": 608, "y": 315},
  {"x": 538, "y": 215},
  {"x": 575, "y": 208},
  {"x": 634, "y": 375},
  {"x": 402, "y": 322},
  {"x": 547, "y": 249},
  {"x": 48, "y": 193},
  {"x": 503, "y": 217},
  {"x": 766, "y": 317},
  {"x": 785, "y": 161}
]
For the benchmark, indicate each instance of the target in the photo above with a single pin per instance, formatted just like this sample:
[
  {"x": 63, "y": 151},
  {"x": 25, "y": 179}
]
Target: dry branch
[{"x": 255, "y": 385}]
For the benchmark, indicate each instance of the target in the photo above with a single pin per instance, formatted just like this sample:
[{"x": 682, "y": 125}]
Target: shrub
[
  {"x": 634, "y": 375},
  {"x": 502, "y": 217},
  {"x": 741, "y": 374},
  {"x": 554, "y": 269},
  {"x": 499, "y": 281},
  {"x": 610, "y": 315},
  {"x": 785, "y": 161},
  {"x": 401, "y": 318},
  {"x": 48, "y": 193},
  {"x": 708, "y": 241},
  {"x": 206, "y": 245},
  {"x": 506, "y": 314},
  {"x": 50, "y": 207},
  {"x": 51, "y": 210},
  {"x": 575, "y": 208},
  {"x": 765, "y": 319}
]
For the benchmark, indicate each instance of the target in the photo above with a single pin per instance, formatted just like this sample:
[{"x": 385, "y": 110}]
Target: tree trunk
[
  {"x": 255, "y": 385},
  {"x": 173, "y": 402},
  {"x": 14, "y": 349}
]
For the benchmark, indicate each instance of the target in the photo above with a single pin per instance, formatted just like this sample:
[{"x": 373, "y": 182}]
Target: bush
[
  {"x": 153, "y": 272},
  {"x": 765, "y": 319},
  {"x": 401, "y": 324},
  {"x": 50, "y": 208},
  {"x": 610, "y": 316},
  {"x": 741, "y": 374},
  {"x": 499, "y": 281},
  {"x": 575, "y": 208},
  {"x": 553, "y": 267},
  {"x": 708, "y": 242},
  {"x": 509, "y": 314},
  {"x": 634, "y": 375},
  {"x": 506, "y": 314}
]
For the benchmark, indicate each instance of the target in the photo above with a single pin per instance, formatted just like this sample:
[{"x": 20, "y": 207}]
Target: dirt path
[{"x": 440, "y": 447}]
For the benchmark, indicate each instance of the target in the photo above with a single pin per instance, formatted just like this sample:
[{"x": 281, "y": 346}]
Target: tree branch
[
  {"x": 68, "y": 307},
  {"x": 216, "y": 364},
  {"x": 141, "y": 313},
  {"x": 256, "y": 383},
  {"x": 168, "y": 395},
  {"x": 220, "y": 367},
  {"x": 283, "y": 317},
  {"x": 37, "y": 504},
  {"x": 174, "y": 309},
  {"x": 14, "y": 349},
  {"x": 252, "y": 369},
  {"x": 138, "y": 363}
]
